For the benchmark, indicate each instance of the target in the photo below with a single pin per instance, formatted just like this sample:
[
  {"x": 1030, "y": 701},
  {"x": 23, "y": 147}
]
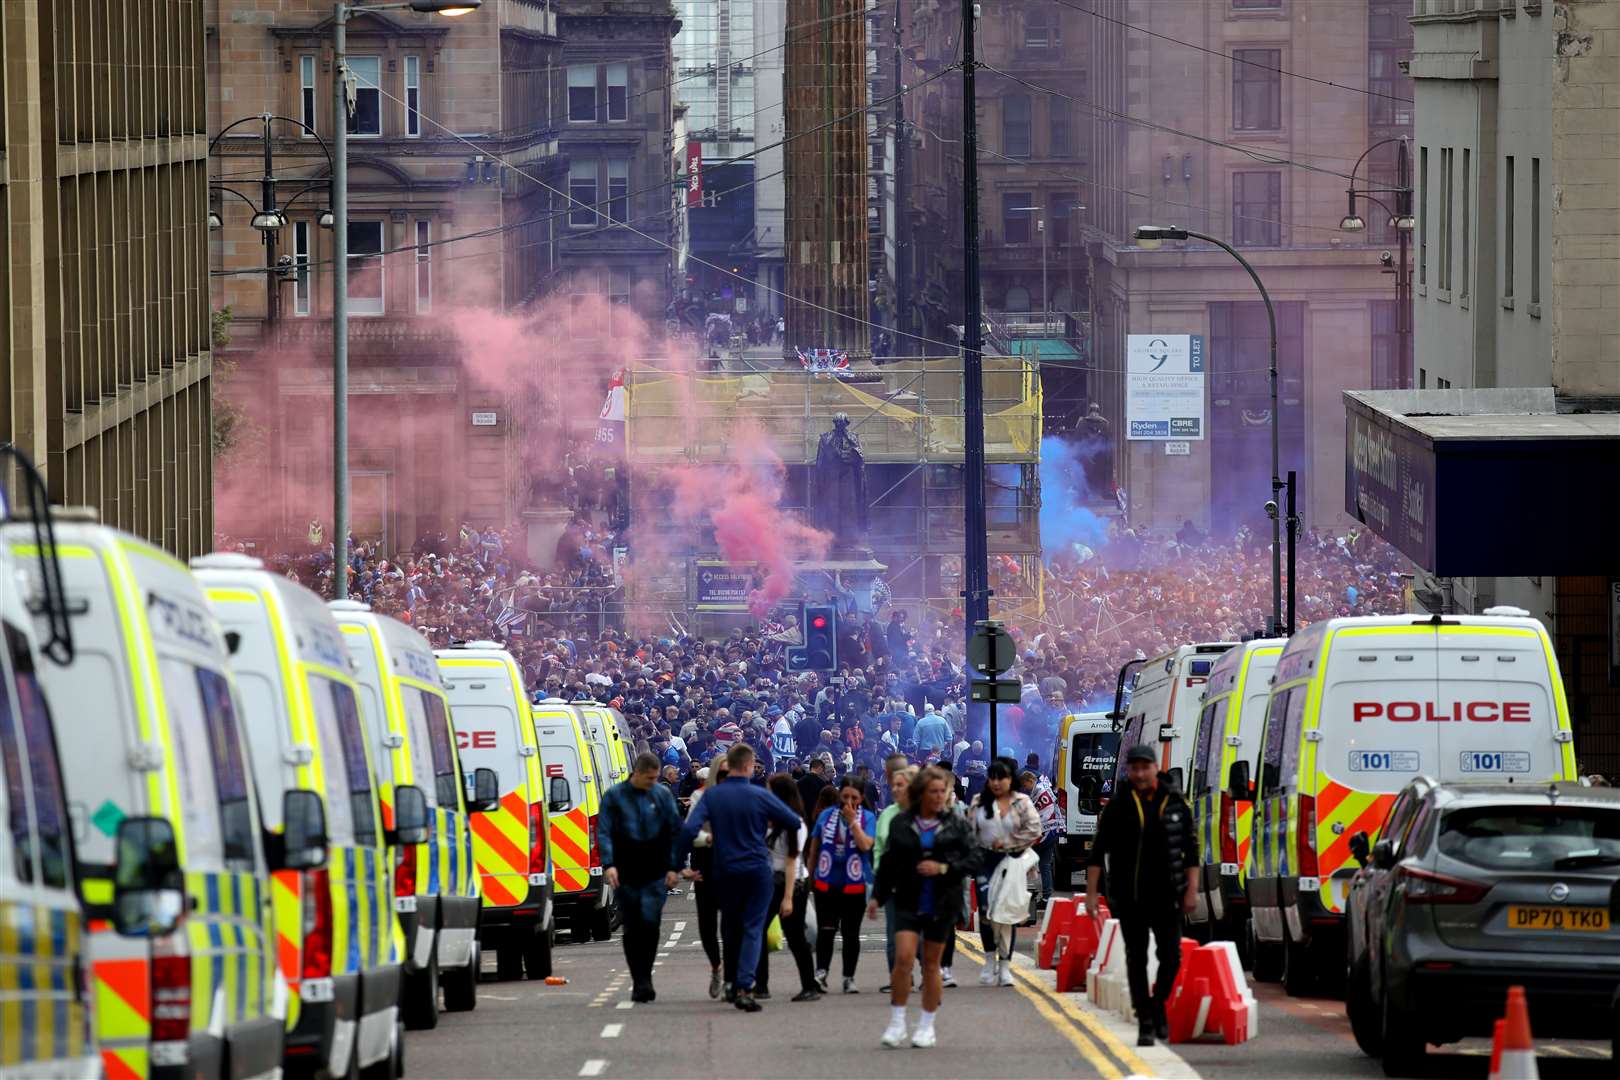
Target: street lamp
[
  {"x": 341, "y": 13},
  {"x": 1150, "y": 237},
  {"x": 1403, "y": 221}
]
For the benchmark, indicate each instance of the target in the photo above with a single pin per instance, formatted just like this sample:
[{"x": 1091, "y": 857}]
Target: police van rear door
[{"x": 1495, "y": 696}]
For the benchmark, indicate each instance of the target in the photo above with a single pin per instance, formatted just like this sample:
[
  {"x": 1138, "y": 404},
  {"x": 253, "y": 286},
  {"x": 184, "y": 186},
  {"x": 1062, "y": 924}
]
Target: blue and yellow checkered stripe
[
  {"x": 229, "y": 945},
  {"x": 366, "y": 932},
  {"x": 42, "y": 1013}
]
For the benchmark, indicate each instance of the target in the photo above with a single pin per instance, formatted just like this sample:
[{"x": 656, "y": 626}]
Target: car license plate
[{"x": 1537, "y": 917}]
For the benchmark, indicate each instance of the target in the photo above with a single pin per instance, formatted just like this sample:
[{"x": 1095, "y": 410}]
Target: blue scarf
[{"x": 840, "y": 865}]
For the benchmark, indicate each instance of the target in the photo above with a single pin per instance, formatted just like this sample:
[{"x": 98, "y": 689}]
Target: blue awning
[{"x": 1045, "y": 348}]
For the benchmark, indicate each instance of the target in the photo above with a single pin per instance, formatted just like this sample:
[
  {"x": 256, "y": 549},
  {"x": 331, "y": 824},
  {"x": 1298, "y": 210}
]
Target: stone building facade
[
  {"x": 455, "y": 209},
  {"x": 106, "y": 362}
]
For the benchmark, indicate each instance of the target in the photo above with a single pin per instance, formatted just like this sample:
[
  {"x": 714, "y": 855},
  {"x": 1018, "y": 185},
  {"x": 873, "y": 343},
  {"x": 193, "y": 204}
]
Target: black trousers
[
  {"x": 793, "y": 933},
  {"x": 639, "y": 937},
  {"x": 1165, "y": 926},
  {"x": 708, "y": 919},
  {"x": 839, "y": 913}
]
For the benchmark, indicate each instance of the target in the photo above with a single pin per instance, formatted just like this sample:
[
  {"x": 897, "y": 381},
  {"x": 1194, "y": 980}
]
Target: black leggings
[
  {"x": 839, "y": 913},
  {"x": 708, "y": 919},
  {"x": 793, "y": 933}
]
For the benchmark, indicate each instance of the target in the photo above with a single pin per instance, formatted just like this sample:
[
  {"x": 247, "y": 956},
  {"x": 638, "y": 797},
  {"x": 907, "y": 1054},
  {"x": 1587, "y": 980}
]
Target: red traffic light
[{"x": 818, "y": 622}]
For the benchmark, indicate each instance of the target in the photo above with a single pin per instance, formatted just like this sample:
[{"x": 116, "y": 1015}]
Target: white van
[
  {"x": 1360, "y": 706},
  {"x": 1167, "y": 692},
  {"x": 1082, "y": 769},
  {"x": 575, "y": 765}
]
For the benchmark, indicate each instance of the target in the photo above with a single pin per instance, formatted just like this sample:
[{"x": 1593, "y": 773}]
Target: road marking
[
  {"x": 663, "y": 956},
  {"x": 625, "y": 1005},
  {"x": 593, "y": 1067},
  {"x": 679, "y": 927},
  {"x": 611, "y": 1031}
]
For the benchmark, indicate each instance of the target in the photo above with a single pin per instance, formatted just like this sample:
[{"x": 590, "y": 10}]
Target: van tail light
[
  {"x": 171, "y": 990},
  {"x": 1428, "y": 887},
  {"x": 317, "y": 912},
  {"x": 1305, "y": 831},
  {"x": 537, "y": 838},
  {"x": 1229, "y": 843},
  {"x": 596, "y": 852},
  {"x": 1063, "y": 802},
  {"x": 405, "y": 870}
]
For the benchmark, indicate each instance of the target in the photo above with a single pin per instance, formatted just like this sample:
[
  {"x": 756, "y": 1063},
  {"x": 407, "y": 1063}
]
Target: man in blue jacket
[
  {"x": 636, "y": 836},
  {"x": 738, "y": 814}
]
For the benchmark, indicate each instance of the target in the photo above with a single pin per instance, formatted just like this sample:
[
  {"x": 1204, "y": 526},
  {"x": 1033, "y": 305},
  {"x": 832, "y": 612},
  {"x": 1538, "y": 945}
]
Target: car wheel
[
  {"x": 1297, "y": 975},
  {"x": 537, "y": 954},
  {"x": 509, "y": 959},
  {"x": 1235, "y": 928},
  {"x": 421, "y": 998},
  {"x": 579, "y": 928},
  {"x": 1265, "y": 957},
  {"x": 461, "y": 987},
  {"x": 602, "y": 924},
  {"x": 1365, "y": 1023},
  {"x": 385, "y": 1067},
  {"x": 1404, "y": 1047}
]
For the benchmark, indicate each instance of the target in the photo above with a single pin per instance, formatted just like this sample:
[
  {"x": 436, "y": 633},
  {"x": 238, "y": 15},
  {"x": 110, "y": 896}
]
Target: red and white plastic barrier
[{"x": 1211, "y": 999}]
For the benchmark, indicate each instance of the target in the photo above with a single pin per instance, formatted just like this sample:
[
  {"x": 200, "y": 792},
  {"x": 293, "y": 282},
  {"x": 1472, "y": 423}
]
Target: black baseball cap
[{"x": 1141, "y": 752}]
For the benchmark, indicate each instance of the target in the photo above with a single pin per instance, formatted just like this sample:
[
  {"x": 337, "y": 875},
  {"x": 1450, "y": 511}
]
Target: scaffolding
[{"x": 908, "y": 416}]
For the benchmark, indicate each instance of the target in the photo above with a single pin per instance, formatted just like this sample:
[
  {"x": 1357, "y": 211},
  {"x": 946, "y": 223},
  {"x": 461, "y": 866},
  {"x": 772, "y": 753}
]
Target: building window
[
  {"x": 1015, "y": 127},
  {"x": 1509, "y": 193},
  {"x": 1467, "y": 219},
  {"x": 618, "y": 92},
  {"x": 621, "y": 319},
  {"x": 581, "y": 93},
  {"x": 366, "y": 75},
  {"x": 1042, "y": 29},
  {"x": 582, "y": 194},
  {"x": 1386, "y": 345},
  {"x": 413, "y": 97},
  {"x": 300, "y": 268},
  {"x": 1446, "y": 154},
  {"x": 365, "y": 268},
  {"x": 1257, "y": 209},
  {"x": 424, "y": 268},
  {"x": 306, "y": 94},
  {"x": 1062, "y": 144},
  {"x": 1015, "y": 216},
  {"x": 1535, "y": 230},
  {"x": 619, "y": 189},
  {"x": 1256, "y": 5},
  {"x": 1423, "y": 215},
  {"x": 1062, "y": 215},
  {"x": 1257, "y": 89}
]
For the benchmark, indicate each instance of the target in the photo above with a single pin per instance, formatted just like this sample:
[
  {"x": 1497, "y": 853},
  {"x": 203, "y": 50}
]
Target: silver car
[{"x": 1471, "y": 889}]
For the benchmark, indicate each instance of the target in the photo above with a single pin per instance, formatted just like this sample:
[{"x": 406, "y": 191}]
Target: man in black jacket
[{"x": 1145, "y": 839}]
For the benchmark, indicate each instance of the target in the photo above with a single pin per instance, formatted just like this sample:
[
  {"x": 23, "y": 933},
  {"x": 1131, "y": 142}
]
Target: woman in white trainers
[
  {"x": 1006, "y": 823},
  {"x": 929, "y": 852}
]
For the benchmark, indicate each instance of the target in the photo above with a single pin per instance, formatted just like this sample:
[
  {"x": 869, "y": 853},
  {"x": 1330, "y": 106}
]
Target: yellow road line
[{"x": 1044, "y": 1005}]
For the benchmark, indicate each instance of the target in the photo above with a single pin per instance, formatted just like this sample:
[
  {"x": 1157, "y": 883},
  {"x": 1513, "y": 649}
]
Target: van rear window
[
  {"x": 230, "y": 768},
  {"x": 1200, "y": 667},
  {"x": 444, "y": 760}
]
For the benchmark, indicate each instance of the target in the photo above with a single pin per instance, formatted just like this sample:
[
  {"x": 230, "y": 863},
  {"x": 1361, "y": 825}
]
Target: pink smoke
[{"x": 742, "y": 502}]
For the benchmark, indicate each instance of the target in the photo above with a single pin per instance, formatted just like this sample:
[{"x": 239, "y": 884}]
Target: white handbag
[{"x": 1009, "y": 889}]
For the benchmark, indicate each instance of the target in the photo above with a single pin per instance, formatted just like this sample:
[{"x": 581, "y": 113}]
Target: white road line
[
  {"x": 611, "y": 1031},
  {"x": 663, "y": 956},
  {"x": 679, "y": 927},
  {"x": 593, "y": 1067},
  {"x": 625, "y": 1005}
]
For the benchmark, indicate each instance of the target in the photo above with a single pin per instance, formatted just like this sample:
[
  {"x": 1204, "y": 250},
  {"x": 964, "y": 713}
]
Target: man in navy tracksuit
[{"x": 738, "y": 814}]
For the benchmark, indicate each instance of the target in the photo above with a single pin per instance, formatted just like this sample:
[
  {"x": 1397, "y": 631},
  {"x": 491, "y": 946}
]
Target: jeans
[
  {"x": 745, "y": 899},
  {"x": 1046, "y": 850},
  {"x": 839, "y": 913},
  {"x": 1134, "y": 927},
  {"x": 792, "y": 934},
  {"x": 641, "y": 909}
]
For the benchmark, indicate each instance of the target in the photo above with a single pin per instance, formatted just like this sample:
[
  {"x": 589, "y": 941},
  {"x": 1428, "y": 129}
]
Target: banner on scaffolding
[{"x": 824, "y": 361}]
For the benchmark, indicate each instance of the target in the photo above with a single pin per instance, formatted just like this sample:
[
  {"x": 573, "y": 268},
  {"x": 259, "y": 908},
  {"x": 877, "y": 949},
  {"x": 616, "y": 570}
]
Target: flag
[
  {"x": 610, "y": 423},
  {"x": 824, "y": 361}
]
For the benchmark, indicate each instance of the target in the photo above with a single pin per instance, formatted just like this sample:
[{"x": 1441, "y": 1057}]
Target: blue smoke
[{"x": 1064, "y": 518}]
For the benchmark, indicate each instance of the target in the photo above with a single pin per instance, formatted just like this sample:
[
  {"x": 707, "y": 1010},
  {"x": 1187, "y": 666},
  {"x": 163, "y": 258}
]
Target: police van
[
  {"x": 1082, "y": 769},
  {"x": 608, "y": 731},
  {"x": 43, "y": 946},
  {"x": 1165, "y": 694},
  {"x": 1229, "y": 729},
  {"x": 573, "y": 795},
  {"x": 1359, "y": 706},
  {"x": 338, "y": 938},
  {"x": 435, "y": 886},
  {"x": 171, "y": 859},
  {"x": 512, "y": 846}
]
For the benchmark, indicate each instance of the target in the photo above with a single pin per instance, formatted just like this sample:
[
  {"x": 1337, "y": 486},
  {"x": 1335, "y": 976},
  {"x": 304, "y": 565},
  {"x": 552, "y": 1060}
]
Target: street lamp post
[
  {"x": 1402, "y": 220},
  {"x": 341, "y": 13},
  {"x": 1151, "y": 236}
]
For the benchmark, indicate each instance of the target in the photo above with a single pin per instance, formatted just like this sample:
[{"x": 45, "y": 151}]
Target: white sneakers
[
  {"x": 849, "y": 985},
  {"x": 987, "y": 973},
  {"x": 949, "y": 979},
  {"x": 923, "y": 1037},
  {"x": 1004, "y": 971},
  {"x": 895, "y": 1034}
]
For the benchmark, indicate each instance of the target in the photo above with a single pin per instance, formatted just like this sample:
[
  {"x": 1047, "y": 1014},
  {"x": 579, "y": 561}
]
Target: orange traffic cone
[
  {"x": 1518, "y": 1059},
  {"x": 1496, "y": 1051}
]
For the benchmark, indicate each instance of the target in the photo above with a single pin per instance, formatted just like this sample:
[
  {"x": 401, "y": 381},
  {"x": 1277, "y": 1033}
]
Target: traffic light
[{"x": 820, "y": 649}]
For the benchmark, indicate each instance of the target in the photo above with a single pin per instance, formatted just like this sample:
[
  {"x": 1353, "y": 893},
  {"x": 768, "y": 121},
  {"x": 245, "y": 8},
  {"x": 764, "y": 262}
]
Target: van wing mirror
[
  {"x": 559, "y": 797},
  {"x": 303, "y": 835},
  {"x": 1383, "y": 854},
  {"x": 410, "y": 816},
  {"x": 1175, "y": 777},
  {"x": 485, "y": 794},
  {"x": 1238, "y": 783},
  {"x": 148, "y": 888},
  {"x": 1359, "y": 847}
]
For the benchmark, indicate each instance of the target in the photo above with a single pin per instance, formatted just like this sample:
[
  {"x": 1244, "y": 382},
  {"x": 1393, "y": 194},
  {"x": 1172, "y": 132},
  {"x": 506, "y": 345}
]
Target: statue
[{"x": 839, "y": 485}]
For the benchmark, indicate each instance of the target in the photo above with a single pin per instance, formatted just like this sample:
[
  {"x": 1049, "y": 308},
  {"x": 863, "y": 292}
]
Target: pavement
[{"x": 589, "y": 1027}]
